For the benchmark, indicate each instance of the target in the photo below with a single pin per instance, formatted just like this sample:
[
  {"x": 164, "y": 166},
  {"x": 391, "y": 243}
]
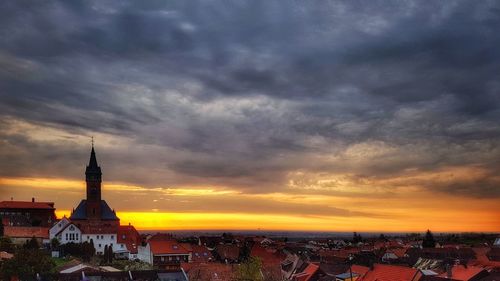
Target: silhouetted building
[{"x": 27, "y": 213}]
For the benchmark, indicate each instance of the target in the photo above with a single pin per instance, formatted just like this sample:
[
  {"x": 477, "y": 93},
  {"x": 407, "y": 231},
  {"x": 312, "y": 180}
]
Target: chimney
[{"x": 32, "y": 199}]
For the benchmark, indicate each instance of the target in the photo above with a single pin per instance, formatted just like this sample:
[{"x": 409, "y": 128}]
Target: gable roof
[
  {"x": 267, "y": 256},
  {"x": 361, "y": 270},
  {"x": 384, "y": 272},
  {"x": 80, "y": 213},
  {"x": 66, "y": 226},
  {"x": 128, "y": 235},
  {"x": 26, "y": 205},
  {"x": 167, "y": 247},
  {"x": 307, "y": 273},
  {"x": 462, "y": 273}
]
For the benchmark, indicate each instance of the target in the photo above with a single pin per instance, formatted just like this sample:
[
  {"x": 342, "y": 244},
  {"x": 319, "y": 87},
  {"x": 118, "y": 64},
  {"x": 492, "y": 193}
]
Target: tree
[
  {"x": 110, "y": 254},
  {"x": 32, "y": 244},
  {"x": 6, "y": 244},
  {"x": 105, "y": 255},
  {"x": 356, "y": 238},
  {"x": 250, "y": 270},
  {"x": 429, "y": 241},
  {"x": 26, "y": 263},
  {"x": 382, "y": 237},
  {"x": 54, "y": 243},
  {"x": 92, "y": 247}
]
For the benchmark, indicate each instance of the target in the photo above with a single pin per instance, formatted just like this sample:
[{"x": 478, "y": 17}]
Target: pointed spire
[{"x": 93, "y": 160}]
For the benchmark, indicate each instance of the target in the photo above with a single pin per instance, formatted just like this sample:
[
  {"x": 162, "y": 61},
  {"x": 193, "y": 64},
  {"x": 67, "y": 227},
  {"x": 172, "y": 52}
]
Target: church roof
[{"x": 80, "y": 212}]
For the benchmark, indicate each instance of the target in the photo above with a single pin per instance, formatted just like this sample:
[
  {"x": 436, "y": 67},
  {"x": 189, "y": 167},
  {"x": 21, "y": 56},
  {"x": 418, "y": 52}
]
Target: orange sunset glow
[{"x": 263, "y": 117}]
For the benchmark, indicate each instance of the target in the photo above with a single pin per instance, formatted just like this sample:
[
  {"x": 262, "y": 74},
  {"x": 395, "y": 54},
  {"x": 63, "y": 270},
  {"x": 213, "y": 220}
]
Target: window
[
  {"x": 99, "y": 245},
  {"x": 76, "y": 236},
  {"x": 67, "y": 236},
  {"x": 102, "y": 236},
  {"x": 121, "y": 246}
]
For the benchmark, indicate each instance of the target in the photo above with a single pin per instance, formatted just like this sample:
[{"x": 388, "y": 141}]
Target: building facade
[{"x": 93, "y": 220}]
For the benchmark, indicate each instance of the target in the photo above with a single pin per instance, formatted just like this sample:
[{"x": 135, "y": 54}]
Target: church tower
[{"x": 93, "y": 178}]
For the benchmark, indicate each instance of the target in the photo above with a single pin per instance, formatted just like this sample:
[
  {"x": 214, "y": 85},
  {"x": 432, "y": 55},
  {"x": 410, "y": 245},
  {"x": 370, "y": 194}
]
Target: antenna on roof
[{"x": 92, "y": 141}]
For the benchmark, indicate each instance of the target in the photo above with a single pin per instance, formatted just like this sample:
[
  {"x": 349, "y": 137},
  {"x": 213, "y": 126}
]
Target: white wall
[
  {"x": 70, "y": 234},
  {"x": 57, "y": 227},
  {"x": 100, "y": 241},
  {"x": 144, "y": 254}
]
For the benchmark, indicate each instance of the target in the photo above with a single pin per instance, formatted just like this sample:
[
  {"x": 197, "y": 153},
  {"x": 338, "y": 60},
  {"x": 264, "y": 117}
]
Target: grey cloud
[{"x": 242, "y": 93}]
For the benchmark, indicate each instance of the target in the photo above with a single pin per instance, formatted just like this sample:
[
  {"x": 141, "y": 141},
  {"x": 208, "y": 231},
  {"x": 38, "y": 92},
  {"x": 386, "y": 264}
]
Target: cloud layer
[{"x": 255, "y": 96}]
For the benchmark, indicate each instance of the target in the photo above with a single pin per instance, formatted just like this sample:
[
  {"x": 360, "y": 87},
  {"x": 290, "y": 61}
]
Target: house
[
  {"x": 228, "y": 253},
  {"x": 494, "y": 254},
  {"x": 106, "y": 273},
  {"x": 384, "y": 272},
  {"x": 268, "y": 256},
  {"x": 462, "y": 273},
  {"x": 127, "y": 243},
  {"x": 310, "y": 272},
  {"x": 5, "y": 256},
  {"x": 20, "y": 234},
  {"x": 164, "y": 251},
  {"x": 27, "y": 213},
  {"x": 394, "y": 254},
  {"x": 70, "y": 233},
  {"x": 497, "y": 242},
  {"x": 355, "y": 270},
  {"x": 201, "y": 254},
  {"x": 210, "y": 271}
]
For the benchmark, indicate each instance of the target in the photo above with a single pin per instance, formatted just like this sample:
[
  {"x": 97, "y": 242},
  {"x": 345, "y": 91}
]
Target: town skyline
[{"x": 346, "y": 116}]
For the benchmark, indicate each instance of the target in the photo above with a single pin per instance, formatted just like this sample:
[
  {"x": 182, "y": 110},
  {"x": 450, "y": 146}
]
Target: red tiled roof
[
  {"x": 482, "y": 260},
  {"x": 128, "y": 235},
  {"x": 26, "y": 231},
  {"x": 201, "y": 254},
  {"x": 359, "y": 269},
  {"x": 26, "y": 205},
  {"x": 383, "y": 272},
  {"x": 307, "y": 273},
  {"x": 230, "y": 252},
  {"x": 5, "y": 256},
  {"x": 209, "y": 271},
  {"x": 460, "y": 272},
  {"x": 165, "y": 247},
  {"x": 399, "y": 252},
  {"x": 267, "y": 256}
]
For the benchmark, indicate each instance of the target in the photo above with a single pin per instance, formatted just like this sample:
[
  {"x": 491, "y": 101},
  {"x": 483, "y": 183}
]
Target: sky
[{"x": 257, "y": 115}]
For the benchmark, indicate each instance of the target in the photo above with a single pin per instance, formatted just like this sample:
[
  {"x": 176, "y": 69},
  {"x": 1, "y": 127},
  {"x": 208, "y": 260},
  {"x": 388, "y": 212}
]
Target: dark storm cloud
[{"x": 241, "y": 93}]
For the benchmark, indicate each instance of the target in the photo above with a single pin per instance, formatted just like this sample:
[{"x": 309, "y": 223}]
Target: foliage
[
  {"x": 250, "y": 270},
  {"x": 127, "y": 265},
  {"x": 32, "y": 244},
  {"x": 429, "y": 241},
  {"x": 84, "y": 250},
  {"x": 6, "y": 244},
  {"x": 356, "y": 238},
  {"x": 26, "y": 263},
  {"x": 54, "y": 243}
]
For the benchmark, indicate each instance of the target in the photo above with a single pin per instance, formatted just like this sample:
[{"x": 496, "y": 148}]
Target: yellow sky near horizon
[{"x": 209, "y": 208}]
